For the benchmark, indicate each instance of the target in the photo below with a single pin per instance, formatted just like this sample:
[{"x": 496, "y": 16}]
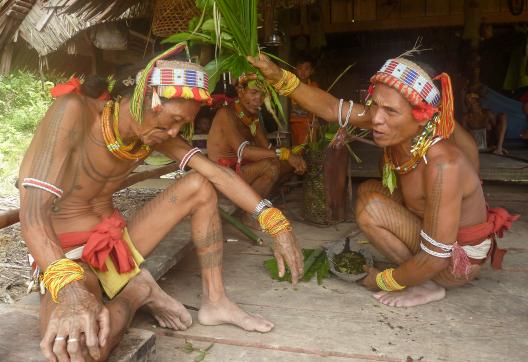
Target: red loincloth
[
  {"x": 105, "y": 239},
  {"x": 230, "y": 162},
  {"x": 499, "y": 220}
]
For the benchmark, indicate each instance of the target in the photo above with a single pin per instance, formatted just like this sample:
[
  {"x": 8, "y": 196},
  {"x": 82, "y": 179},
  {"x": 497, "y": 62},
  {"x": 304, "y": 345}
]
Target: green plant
[
  {"x": 231, "y": 26},
  {"x": 202, "y": 353},
  {"x": 24, "y": 99},
  {"x": 315, "y": 264}
]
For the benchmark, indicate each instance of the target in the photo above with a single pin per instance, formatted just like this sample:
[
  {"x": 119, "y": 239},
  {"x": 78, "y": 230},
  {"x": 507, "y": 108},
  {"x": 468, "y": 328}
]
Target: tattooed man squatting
[{"x": 429, "y": 215}]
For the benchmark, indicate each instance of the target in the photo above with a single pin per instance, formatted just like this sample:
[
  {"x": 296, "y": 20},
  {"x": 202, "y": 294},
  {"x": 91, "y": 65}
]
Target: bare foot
[
  {"x": 226, "y": 312},
  {"x": 412, "y": 296},
  {"x": 501, "y": 151},
  {"x": 166, "y": 310}
]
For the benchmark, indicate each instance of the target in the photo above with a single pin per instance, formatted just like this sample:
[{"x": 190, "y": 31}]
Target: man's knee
[
  {"x": 272, "y": 168},
  {"x": 369, "y": 186},
  {"x": 200, "y": 188},
  {"x": 367, "y": 202}
]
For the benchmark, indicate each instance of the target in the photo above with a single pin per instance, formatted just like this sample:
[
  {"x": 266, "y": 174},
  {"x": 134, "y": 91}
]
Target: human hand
[
  {"x": 285, "y": 246},
  {"x": 369, "y": 281},
  {"x": 269, "y": 70},
  {"x": 298, "y": 164},
  {"x": 78, "y": 321}
]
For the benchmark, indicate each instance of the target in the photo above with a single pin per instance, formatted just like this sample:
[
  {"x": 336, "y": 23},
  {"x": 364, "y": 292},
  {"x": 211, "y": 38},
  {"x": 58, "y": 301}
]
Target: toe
[
  {"x": 161, "y": 322},
  {"x": 179, "y": 324},
  {"x": 378, "y": 295},
  {"x": 185, "y": 318}
]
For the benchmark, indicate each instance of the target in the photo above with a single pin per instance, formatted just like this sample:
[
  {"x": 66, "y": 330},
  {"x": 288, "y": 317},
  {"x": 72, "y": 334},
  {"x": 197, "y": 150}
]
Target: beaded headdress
[
  {"x": 169, "y": 79},
  {"x": 418, "y": 88}
]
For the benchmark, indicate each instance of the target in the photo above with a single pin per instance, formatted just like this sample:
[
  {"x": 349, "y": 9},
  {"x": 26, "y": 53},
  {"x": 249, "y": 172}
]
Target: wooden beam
[
  {"x": 436, "y": 21},
  {"x": 9, "y": 218}
]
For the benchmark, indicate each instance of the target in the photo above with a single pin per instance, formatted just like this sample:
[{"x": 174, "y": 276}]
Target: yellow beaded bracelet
[
  {"x": 59, "y": 274},
  {"x": 273, "y": 221},
  {"x": 386, "y": 281},
  {"x": 287, "y": 84}
]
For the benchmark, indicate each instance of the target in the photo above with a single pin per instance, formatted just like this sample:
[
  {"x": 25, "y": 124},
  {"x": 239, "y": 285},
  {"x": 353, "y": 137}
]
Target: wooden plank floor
[{"x": 492, "y": 167}]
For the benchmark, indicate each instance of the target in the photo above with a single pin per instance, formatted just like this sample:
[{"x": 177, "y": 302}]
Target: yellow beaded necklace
[{"x": 112, "y": 138}]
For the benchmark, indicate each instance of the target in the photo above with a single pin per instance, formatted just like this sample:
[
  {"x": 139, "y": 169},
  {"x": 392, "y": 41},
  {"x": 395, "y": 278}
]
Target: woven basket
[
  {"x": 324, "y": 186},
  {"x": 314, "y": 195},
  {"x": 172, "y": 16}
]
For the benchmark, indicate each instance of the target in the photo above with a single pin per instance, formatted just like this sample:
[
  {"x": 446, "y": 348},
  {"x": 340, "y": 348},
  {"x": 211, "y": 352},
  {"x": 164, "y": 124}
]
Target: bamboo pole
[{"x": 243, "y": 228}]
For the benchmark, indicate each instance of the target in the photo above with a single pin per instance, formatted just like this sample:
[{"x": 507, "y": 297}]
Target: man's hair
[
  {"x": 94, "y": 86},
  {"x": 125, "y": 79},
  {"x": 305, "y": 58}
]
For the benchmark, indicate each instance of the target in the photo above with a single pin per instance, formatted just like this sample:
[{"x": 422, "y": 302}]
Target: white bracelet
[
  {"x": 340, "y": 109},
  {"x": 434, "y": 253},
  {"x": 429, "y": 239},
  {"x": 241, "y": 149},
  {"x": 43, "y": 185},
  {"x": 188, "y": 157},
  {"x": 347, "y": 118}
]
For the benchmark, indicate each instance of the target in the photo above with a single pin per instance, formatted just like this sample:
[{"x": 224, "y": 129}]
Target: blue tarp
[{"x": 498, "y": 103}]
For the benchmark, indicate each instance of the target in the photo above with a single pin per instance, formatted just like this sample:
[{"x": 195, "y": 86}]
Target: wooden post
[
  {"x": 472, "y": 21},
  {"x": 6, "y": 58}
]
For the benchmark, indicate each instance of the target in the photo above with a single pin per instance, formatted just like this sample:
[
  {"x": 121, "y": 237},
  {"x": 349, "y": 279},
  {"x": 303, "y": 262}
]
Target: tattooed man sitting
[
  {"x": 238, "y": 140},
  {"x": 429, "y": 215},
  {"x": 83, "y": 150}
]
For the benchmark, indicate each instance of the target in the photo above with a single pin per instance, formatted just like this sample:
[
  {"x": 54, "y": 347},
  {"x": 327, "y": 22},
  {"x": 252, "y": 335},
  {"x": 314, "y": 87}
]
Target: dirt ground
[{"x": 14, "y": 266}]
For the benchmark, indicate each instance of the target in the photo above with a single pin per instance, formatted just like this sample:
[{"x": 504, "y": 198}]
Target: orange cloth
[
  {"x": 499, "y": 220},
  {"x": 300, "y": 121},
  {"x": 105, "y": 240}
]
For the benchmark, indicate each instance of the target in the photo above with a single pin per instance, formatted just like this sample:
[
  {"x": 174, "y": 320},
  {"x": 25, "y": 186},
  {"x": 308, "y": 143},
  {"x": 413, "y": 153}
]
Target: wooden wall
[{"x": 370, "y": 15}]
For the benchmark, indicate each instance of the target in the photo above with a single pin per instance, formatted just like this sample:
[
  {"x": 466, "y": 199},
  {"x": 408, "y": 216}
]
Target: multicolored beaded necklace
[
  {"x": 250, "y": 122},
  {"x": 112, "y": 138},
  {"x": 421, "y": 144}
]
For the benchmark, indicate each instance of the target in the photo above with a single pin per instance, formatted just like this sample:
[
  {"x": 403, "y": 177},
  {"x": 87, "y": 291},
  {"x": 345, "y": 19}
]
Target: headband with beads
[
  {"x": 169, "y": 79},
  {"x": 418, "y": 88}
]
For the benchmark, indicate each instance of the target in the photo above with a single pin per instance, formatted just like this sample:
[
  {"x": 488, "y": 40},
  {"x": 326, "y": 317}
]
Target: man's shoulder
[
  {"x": 224, "y": 117},
  {"x": 445, "y": 155}
]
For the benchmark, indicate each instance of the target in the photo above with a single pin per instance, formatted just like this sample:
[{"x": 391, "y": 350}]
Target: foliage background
[{"x": 24, "y": 99}]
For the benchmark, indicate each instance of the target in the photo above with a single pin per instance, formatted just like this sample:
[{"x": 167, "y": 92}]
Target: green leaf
[
  {"x": 209, "y": 347},
  {"x": 187, "y": 347},
  {"x": 208, "y": 26},
  {"x": 200, "y": 357},
  {"x": 389, "y": 178}
]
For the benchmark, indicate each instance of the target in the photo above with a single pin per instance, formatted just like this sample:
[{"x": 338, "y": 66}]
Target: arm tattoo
[{"x": 433, "y": 215}]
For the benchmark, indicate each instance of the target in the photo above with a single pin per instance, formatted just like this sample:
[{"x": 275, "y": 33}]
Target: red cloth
[
  {"x": 104, "y": 240},
  {"x": 231, "y": 162},
  {"x": 71, "y": 86},
  {"x": 499, "y": 220},
  {"x": 220, "y": 100}
]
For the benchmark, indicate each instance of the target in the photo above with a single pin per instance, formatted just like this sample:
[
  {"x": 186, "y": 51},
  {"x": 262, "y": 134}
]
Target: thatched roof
[
  {"x": 47, "y": 25},
  {"x": 50, "y": 24},
  {"x": 12, "y": 13}
]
